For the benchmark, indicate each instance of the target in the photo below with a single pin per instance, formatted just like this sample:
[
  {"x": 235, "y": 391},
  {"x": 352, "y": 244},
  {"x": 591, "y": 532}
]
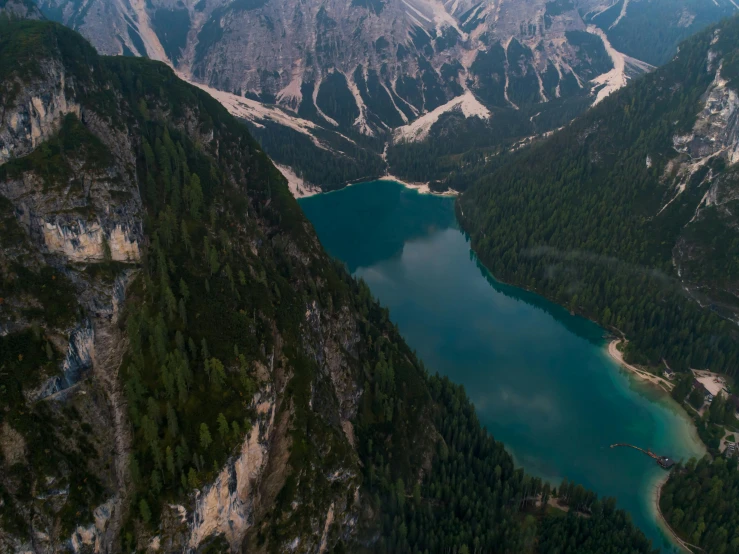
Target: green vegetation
[
  {"x": 577, "y": 218},
  {"x": 329, "y": 169},
  {"x": 194, "y": 336},
  {"x": 460, "y": 150},
  {"x": 592, "y": 51},
  {"x": 720, "y": 414},
  {"x": 336, "y": 100},
  {"x": 559, "y": 7},
  {"x": 375, "y": 6},
  {"x": 51, "y": 289},
  {"x": 523, "y": 84},
  {"x": 473, "y": 499},
  {"x": 701, "y": 503},
  {"x": 11, "y": 233},
  {"x": 376, "y": 99},
  {"x": 41, "y": 294},
  {"x": 25, "y": 43},
  {"x": 210, "y": 33},
  {"x": 27, "y": 359},
  {"x": 217, "y": 314}
]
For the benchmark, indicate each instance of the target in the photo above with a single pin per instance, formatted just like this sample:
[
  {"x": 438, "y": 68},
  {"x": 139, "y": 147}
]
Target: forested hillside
[
  {"x": 701, "y": 503},
  {"x": 186, "y": 369},
  {"x": 627, "y": 215}
]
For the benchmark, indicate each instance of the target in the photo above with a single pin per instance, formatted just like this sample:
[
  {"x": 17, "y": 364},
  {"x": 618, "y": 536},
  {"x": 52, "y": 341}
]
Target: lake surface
[{"x": 541, "y": 379}]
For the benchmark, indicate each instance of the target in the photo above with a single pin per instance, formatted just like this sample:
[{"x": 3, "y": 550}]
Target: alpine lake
[{"x": 541, "y": 379}]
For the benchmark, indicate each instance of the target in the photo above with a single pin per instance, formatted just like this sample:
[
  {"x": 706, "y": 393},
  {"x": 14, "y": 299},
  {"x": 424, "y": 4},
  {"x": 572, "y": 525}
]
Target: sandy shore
[
  {"x": 664, "y": 384},
  {"x": 298, "y": 187},
  {"x": 422, "y": 188},
  {"x": 615, "y": 353},
  {"x": 302, "y": 189}
]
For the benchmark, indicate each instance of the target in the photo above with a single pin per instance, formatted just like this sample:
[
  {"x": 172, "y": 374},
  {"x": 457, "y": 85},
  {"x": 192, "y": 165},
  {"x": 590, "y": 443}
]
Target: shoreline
[
  {"x": 656, "y": 495},
  {"x": 616, "y": 355},
  {"x": 665, "y": 387},
  {"x": 661, "y": 384},
  {"x": 297, "y": 185},
  {"x": 421, "y": 188},
  {"x": 302, "y": 189}
]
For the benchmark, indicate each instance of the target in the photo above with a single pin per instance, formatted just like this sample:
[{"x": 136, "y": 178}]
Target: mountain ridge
[{"x": 406, "y": 59}]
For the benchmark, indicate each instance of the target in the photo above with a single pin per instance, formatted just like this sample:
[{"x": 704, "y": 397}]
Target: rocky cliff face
[
  {"x": 702, "y": 182},
  {"x": 260, "y": 347},
  {"x": 70, "y": 209},
  {"x": 341, "y": 92},
  {"x": 350, "y": 85},
  {"x": 20, "y": 9},
  {"x": 366, "y": 66}
]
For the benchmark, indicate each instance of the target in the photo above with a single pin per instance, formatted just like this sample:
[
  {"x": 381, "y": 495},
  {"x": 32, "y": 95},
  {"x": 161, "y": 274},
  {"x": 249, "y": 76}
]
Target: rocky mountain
[
  {"x": 328, "y": 75},
  {"x": 185, "y": 369},
  {"x": 629, "y": 214},
  {"x": 651, "y": 30},
  {"x": 337, "y": 73},
  {"x": 371, "y": 64},
  {"x": 366, "y": 65},
  {"x": 20, "y": 9}
]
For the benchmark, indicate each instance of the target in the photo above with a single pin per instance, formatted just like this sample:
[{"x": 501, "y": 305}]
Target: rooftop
[{"x": 666, "y": 462}]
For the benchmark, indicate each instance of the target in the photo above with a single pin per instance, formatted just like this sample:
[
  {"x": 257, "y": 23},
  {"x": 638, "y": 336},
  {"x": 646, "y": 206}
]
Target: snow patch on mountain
[{"x": 419, "y": 129}]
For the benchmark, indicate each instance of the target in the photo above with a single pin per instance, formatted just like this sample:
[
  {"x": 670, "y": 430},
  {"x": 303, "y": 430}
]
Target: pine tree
[
  {"x": 144, "y": 510},
  {"x": 222, "y": 426},
  {"x": 205, "y": 438}
]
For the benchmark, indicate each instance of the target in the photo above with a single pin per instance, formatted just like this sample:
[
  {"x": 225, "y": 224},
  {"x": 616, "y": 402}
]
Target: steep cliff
[
  {"x": 368, "y": 64},
  {"x": 20, "y": 9},
  {"x": 361, "y": 65},
  {"x": 91, "y": 370}
]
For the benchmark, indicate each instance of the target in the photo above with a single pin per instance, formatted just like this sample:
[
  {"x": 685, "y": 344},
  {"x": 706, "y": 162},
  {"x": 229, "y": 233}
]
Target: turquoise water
[{"x": 541, "y": 379}]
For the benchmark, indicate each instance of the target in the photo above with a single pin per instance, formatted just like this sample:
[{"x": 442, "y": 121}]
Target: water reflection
[{"x": 539, "y": 377}]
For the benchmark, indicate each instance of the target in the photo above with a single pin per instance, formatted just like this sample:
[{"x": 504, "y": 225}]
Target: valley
[
  {"x": 540, "y": 378},
  {"x": 376, "y": 276}
]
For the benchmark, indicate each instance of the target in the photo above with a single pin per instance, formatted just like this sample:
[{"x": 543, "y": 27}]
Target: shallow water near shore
[{"x": 541, "y": 379}]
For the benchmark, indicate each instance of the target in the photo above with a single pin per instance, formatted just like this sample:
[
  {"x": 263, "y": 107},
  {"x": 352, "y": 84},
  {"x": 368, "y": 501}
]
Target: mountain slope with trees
[
  {"x": 186, "y": 369},
  {"x": 627, "y": 215},
  {"x": 701, "y": 503}
]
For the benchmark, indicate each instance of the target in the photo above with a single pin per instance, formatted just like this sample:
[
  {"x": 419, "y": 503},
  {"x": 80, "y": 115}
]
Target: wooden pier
[{"x": 663, "y": 461}]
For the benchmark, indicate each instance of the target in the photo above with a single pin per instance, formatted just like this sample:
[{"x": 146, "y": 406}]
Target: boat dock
[{"x": 663, "y": 461}]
